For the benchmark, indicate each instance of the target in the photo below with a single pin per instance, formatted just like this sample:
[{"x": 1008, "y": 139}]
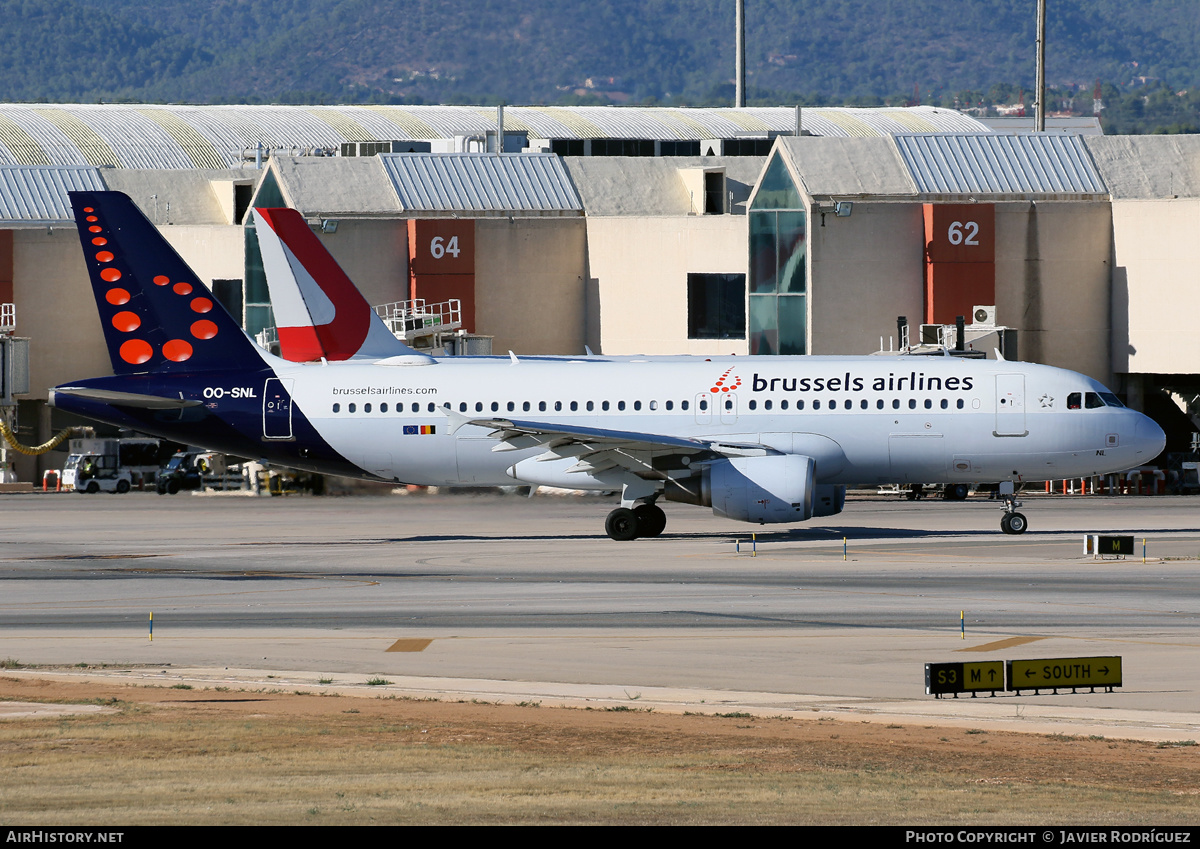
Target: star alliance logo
[{"x": 1047, "y": 400}]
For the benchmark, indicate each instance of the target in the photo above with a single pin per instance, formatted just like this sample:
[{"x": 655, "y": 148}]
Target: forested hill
[{"x": 536, "y": 51}]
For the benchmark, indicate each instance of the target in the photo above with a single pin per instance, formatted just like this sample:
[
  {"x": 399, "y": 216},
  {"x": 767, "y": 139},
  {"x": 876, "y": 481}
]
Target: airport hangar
[{"x": 638, "y": 230}]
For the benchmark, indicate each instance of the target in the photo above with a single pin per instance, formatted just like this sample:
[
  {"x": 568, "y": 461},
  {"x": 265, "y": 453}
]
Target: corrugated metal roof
[
  {"x": 1000, "y": 164},
  {"x": 199, "y": 149},
  {"x": 20, "y": 146},
  {"x": 482, "y": 183},
  {"x": 1148, "y": 167},
  {"x": 37, "y": 194},
  {"x": 93, "y": 147},
  {"x": 144, "y": 136}
]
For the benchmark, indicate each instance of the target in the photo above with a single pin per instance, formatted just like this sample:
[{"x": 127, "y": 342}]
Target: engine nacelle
[
  {"x": 828, "y": 500},
  {"x": 763, "y": 489},
  {"x": 760, "y": 489}
]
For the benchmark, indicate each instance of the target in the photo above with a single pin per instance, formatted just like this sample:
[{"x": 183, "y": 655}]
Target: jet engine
[
  {"x": 828, "y": 499},
  {"x": 772, "y": 489}
]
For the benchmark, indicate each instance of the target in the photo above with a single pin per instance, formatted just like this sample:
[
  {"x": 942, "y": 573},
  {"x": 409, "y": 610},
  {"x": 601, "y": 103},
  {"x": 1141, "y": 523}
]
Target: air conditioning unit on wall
[{"x": 984, "y": 316}]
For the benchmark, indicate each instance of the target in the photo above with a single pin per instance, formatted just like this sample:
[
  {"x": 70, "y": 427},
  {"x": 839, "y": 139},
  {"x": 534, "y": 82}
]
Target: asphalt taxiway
[{"x": 507, "y": 598}]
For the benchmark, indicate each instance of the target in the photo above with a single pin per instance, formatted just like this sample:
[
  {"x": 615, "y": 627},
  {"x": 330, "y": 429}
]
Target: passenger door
[
  {"x": 1010, "y": 405},
  {"x": 277, "y": 409}
]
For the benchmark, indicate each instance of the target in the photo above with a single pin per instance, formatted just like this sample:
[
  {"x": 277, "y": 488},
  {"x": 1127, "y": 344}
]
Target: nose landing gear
[{"x": 1011, "y": 522}]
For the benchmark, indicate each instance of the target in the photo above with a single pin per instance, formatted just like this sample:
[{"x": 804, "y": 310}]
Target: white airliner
[{"x": 758, "y": 439}]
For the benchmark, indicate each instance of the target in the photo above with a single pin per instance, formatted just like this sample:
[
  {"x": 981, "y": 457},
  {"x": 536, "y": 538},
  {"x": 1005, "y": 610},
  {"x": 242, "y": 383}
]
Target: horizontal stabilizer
[{"x": 123, "y": 399}]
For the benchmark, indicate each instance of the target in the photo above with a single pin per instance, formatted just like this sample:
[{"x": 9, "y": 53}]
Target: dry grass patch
[{"x": 200, "y": 756}]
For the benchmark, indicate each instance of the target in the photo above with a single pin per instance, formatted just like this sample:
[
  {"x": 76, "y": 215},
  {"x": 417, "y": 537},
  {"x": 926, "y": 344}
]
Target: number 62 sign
[{"x": 960, "y": 232}]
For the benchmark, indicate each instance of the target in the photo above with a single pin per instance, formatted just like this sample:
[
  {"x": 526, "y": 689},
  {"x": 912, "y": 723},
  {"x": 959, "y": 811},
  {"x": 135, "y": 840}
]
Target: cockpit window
[
  {"x": 1074, "y": 400},
  {"x": 1091, "y": 400},
  {"x": 1110, "y": 400}
]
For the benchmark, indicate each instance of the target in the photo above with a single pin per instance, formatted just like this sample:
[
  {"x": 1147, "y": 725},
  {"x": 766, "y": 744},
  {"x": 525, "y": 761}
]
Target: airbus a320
[{"x": 757, "y": 439}]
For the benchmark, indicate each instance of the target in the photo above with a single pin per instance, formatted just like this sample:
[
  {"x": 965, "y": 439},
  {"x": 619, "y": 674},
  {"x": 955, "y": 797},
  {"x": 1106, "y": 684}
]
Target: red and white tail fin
[{"x": 318, "y": 311}]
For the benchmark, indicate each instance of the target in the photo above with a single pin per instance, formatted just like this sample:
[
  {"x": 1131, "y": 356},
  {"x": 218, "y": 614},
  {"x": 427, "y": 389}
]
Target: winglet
[{"x": 457, "y": 419}]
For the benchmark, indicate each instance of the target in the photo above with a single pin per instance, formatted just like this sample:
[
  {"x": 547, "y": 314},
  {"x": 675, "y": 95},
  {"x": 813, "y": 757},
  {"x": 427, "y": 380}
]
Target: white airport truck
[{"x": 109, "y": 465}]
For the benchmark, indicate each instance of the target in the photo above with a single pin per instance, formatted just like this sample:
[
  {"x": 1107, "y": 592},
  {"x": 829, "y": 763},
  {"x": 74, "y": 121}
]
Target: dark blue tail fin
[{"x": 157, "y": 315}]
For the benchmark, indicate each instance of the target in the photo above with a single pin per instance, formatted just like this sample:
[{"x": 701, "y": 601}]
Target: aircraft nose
[{"x": 1149, "y": 437}]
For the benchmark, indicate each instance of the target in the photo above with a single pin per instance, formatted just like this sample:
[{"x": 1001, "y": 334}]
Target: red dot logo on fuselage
[{"x": 727, "y": 382}]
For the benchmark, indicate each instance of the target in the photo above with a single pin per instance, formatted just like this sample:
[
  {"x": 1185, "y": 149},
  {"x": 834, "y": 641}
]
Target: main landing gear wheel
[
  {"x": 956, "y": 492},
  {"x": 1014, "y": 523},
  {"x": 651, "y": 520},
  {"x": 622, "y": 524}
]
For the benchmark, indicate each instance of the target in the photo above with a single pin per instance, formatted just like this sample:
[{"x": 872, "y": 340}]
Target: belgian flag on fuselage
[{"x": 156, "y": 314}]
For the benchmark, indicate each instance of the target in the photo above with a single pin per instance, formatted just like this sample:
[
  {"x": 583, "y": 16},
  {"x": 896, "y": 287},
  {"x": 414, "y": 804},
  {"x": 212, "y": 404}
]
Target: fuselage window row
[
  {"x": 1092, "y": 400},
  {"x": 526, "y": 406}
]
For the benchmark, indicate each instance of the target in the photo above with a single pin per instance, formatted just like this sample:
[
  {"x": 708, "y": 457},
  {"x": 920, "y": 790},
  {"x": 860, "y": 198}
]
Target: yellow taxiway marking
[
  {"x": 409, "y": 645},
  {"x": 997, "y": 645}
]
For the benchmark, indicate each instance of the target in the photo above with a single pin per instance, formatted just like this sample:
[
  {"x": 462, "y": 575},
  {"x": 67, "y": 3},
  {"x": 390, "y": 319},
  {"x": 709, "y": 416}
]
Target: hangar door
[{"x": 960, "y": 260}]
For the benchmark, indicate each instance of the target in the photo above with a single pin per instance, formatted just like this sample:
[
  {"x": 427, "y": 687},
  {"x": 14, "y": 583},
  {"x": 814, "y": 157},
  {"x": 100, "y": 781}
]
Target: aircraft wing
[{"x": 599, "y": 449}]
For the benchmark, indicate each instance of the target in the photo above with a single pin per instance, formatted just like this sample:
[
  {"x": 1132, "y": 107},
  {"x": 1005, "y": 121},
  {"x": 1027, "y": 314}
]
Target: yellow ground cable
[{"x": 34, "y": 450}]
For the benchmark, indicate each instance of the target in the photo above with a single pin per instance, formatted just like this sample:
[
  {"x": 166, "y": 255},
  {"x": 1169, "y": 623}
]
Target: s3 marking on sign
[{"x": 943, "y": 678}]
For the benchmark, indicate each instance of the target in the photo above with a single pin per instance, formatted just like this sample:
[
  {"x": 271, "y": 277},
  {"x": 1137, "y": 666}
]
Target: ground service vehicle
[
  {"x": 180, "y": 473},
  {"x": 91, "y": 473},
  {"x": 109, "y": 464}
]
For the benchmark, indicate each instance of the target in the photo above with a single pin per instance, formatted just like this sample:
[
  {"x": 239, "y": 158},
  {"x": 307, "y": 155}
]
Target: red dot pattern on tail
[
  {"x": 138, "y": 351},
  {"x": 126, "y": 321},
  {"x": 177, "y": 350}
]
